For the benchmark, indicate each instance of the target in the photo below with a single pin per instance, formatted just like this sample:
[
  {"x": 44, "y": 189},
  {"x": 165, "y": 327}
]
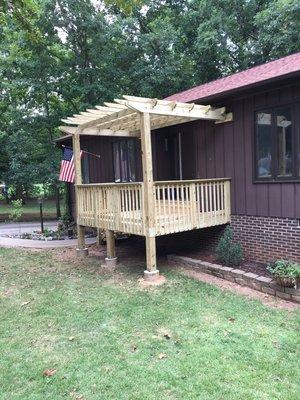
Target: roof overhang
[{"x": 122, "y": 117}]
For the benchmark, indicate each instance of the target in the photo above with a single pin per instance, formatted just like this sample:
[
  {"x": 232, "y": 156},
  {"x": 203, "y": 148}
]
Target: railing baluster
[
  {"x": 173, "y": 208},
  {"x": 214, "y": 200},
  {"x": 179, "y": 205}
]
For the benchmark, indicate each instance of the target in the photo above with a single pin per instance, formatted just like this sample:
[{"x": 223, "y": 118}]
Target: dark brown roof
[{"x": 260, "y": 74}]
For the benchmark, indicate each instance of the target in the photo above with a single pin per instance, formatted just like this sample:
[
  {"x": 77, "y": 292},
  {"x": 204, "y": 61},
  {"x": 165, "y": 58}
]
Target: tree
[
  {"x": 58, "y": 57},
  {"x": 278, "y": 27}
]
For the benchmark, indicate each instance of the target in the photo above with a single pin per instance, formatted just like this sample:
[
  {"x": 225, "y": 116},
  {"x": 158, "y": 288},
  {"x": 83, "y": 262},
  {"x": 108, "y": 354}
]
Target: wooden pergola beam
[
  {"x": 178, "y": 111},
  {"x": 81, "y": 249},
  {"x": 70, "y": 130},
  {"x": 108, "y": 132},
  {"x": 123, "y": 115},
  {"x": 128, "y": 128},
  {"x": 149, "y": 197}
]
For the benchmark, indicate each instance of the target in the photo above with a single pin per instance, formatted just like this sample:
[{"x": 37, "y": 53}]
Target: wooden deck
[{"x": 178, "y": 206}]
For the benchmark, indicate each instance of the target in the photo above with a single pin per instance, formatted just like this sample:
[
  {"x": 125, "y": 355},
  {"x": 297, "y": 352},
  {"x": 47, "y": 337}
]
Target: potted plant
[{"x": 285, "y": 273}]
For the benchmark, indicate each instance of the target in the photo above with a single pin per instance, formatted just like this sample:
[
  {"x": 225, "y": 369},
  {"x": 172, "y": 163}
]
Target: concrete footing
[
  {"x": 151, "y": 275},
  {"x": 152, "y": 278},
  {"x": 82, "y": 252},
  {"x": 111, "y": 262}
]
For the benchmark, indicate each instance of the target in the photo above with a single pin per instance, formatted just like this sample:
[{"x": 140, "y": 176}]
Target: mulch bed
[{"x": 258, "y": 268}]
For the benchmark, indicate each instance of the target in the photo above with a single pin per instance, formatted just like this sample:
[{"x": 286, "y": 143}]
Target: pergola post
[
  {"x": 81, "y": 249},
  {"x": 111, "y": 259},
  {"x": 149, "y": 198}
]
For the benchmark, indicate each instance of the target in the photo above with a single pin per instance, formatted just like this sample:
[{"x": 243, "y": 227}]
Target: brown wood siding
[
  {"x": 226, "y": 150},
  {"x": 216, "y": 151}
]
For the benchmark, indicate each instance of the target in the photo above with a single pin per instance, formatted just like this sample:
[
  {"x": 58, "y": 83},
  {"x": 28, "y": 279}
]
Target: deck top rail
[{"x": 179, "y": 205}]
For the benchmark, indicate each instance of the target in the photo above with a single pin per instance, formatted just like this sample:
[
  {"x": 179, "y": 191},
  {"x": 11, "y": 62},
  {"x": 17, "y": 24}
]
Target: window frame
[
  {"x": 274, "y": 178},
  {"x": 119, "y": 142}
]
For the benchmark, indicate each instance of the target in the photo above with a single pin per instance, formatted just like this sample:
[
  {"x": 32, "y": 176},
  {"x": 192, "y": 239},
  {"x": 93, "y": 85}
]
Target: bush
[
  {"x": 284, "y": 269},
  {"x": 228, "y": 251},
  {"x": 17, "y": 210}
]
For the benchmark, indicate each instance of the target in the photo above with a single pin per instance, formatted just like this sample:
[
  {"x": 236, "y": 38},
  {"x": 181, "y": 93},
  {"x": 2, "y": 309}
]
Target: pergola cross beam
[{"x": 124, "y": 116}]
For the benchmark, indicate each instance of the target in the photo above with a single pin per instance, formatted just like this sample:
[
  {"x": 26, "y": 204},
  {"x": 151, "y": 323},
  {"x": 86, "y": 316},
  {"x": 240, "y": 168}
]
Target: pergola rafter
[{"x": 122, "y": 118}]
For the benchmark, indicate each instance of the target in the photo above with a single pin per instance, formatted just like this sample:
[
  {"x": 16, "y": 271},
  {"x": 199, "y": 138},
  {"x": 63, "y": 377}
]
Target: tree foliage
[{"x": 58, "y": 57}]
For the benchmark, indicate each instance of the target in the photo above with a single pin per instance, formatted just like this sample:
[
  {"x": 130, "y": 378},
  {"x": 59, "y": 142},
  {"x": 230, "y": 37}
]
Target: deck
[{"x": 179, "y": 206}]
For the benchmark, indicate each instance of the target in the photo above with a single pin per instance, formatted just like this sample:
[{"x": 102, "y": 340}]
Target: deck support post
[
  {"x": 81, "y": 250},
  {"x": 148, "y": 198},
  {"x": 111, "y": 259}
]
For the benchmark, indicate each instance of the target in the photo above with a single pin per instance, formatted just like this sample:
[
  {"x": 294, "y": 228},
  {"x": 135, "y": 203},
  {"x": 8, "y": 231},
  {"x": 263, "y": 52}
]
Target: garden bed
[
  {"x": 255, "y": 267},
  {"x": 256, "y": 281},
  {"x": 47, "y": 236}
]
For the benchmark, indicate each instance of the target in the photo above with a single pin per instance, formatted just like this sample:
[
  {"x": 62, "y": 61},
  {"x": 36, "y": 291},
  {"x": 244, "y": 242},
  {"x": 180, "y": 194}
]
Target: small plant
[
  {"x": 286, "y": 273},
  {"x": 17, "y": 210},
  {"x": 47, "y": 232},
  {"x": 66, "y": 226},
  {"x": 229, "y": 251}
]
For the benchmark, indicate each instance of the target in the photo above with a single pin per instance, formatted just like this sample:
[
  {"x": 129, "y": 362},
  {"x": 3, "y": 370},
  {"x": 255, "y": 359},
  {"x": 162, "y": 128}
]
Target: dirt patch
[
  {"x": 160, "y": 280},
  {"x": 222, "y": 284}
]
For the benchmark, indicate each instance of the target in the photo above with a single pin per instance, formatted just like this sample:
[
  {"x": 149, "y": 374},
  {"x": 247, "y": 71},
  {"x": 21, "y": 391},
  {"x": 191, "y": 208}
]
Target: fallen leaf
[
  {"x": 162, "y": 355},
  {"x": 25, "y": 303},
  {"x": 76, "y": 396},
  {"x": 49, "y": 372},
  {"x": 166, "y": 333}
]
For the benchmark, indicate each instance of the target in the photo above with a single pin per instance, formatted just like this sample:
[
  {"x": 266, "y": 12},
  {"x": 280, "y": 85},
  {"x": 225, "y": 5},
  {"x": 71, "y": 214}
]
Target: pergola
[{"x": 134, "y": 117}]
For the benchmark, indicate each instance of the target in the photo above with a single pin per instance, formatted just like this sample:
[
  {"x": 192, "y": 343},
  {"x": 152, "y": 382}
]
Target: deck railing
[
  {"x": 179, "y": 205},
  {"x": 114, "y": 206},
  {"x": 187, "y": 205}
]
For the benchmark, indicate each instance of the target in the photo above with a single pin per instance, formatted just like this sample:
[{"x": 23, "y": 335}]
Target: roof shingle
[{"x": 244, "y": 79}]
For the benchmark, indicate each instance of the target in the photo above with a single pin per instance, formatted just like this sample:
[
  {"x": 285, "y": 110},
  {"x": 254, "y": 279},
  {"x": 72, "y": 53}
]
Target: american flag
[{"x": 67, "y": 169}]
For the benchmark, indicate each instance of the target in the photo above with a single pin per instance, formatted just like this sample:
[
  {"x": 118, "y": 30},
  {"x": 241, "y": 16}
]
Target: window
[
  {"x": 124, "y": 160},
  {"x": 277, "y": 154}
]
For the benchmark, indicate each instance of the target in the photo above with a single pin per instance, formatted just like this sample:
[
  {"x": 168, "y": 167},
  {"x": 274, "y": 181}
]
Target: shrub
[
  {"x": 17, "y": 210},
  {"x": 48, "y": 232},
  {"x": 65, "y": 224},
  {"x": 229, "y": 251},
  {"x": 284, "y": 269}
]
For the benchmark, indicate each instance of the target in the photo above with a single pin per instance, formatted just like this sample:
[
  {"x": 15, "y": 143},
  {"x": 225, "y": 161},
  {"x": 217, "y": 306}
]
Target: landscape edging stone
[{"x": 254, "y": 281}]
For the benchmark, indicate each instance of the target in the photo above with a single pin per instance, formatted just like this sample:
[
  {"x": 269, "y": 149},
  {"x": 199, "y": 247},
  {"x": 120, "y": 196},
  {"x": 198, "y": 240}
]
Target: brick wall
[
  {"x": 200, "y": 239},
  {"x": 263, "y": 239},
  {"x": 266, "y": 238}
]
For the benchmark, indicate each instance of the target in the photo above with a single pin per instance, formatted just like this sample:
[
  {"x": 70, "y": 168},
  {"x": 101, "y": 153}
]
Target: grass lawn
[
  {"x": 109, "y": 339},
  {"x": 31, "y": 210}
]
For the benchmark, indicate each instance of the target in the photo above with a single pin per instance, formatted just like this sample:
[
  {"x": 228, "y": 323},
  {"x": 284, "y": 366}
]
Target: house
[{"x": 225, "y": 151}]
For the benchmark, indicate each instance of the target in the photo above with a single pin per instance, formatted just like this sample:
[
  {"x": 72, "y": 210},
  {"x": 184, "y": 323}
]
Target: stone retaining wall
[{"x": 254, "y": 281}]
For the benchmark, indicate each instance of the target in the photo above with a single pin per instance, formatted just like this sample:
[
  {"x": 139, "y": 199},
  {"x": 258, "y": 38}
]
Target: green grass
[
  {"x": 31, "y": 210},
  {"x": 103, "y": 334}
]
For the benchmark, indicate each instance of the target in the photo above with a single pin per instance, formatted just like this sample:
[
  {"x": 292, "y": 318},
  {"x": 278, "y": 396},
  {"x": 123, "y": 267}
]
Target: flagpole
[{"x": 84, "y": 151}]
